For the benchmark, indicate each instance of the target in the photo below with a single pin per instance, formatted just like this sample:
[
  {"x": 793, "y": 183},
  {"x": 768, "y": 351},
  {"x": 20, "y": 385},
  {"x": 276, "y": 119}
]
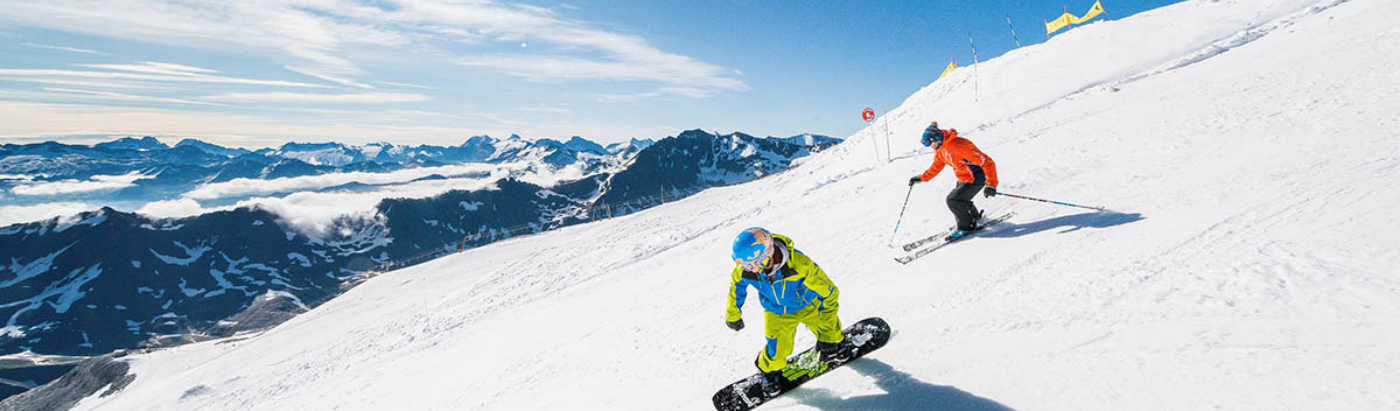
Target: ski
[
  {"x": 923, "y": 252},
  {"x": 911, "y": 246},
  {"x": 920, "y": 242}
]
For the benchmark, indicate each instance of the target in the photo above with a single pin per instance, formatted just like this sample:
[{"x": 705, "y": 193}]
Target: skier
[
  {"x": 792, "y": 289},
  {"x": 975, "y": 170}
]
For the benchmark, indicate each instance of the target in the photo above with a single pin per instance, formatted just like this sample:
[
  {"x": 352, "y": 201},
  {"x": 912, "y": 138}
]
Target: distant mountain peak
[
  {"x": 696, "y": 133},
  {"x": 295, "y": 146},
  {"x": 146, "y": 143},
  {"x": 581, "y": 144},
  {"x": 631, "y": 146},
  {"x": 211, "y": 148}
]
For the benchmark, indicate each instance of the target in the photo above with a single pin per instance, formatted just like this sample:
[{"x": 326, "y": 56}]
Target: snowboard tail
[{"x": 866, "y": 335}]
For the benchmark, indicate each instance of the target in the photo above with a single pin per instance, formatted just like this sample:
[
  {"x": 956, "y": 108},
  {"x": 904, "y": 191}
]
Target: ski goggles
[
  {"x": 755, "y": 266},
  {"x": 936, "y": 137}
]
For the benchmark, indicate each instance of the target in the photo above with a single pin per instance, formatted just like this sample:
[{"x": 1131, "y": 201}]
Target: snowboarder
[
  {"x": 792, "y": 289},
  {"x": 975, "y": 171}
]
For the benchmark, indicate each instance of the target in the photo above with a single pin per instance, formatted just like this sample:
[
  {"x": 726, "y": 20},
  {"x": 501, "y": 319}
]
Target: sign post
[{"x": 869, "y": 116}]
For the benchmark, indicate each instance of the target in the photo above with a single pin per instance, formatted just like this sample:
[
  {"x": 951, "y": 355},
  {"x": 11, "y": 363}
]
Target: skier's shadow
[
  {"x": 1068, "y": 222},
  {"x": 902, "y": 392}
]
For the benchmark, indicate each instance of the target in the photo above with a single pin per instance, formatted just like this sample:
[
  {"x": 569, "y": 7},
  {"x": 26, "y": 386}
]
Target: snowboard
[{"x": 866, "y": 335}]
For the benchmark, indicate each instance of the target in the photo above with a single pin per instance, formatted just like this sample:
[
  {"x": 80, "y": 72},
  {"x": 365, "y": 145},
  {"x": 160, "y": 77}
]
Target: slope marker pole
[{"x": 1013, "y": 31}]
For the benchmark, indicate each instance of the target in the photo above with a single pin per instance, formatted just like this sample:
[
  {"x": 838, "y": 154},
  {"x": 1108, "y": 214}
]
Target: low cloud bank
[
  {"x": 244, "y": 186},
  {"x": 24, "y": 214},
  {"x": 314, "y": 213},
  {"x": 96, "y": 183}
]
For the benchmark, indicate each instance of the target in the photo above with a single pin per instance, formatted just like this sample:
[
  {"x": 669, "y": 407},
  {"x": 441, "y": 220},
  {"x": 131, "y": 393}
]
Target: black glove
[
  {"x": 735, "y": 325},
  {"x": 989, "y": 191},
  {"x": 915, "y": 180}
]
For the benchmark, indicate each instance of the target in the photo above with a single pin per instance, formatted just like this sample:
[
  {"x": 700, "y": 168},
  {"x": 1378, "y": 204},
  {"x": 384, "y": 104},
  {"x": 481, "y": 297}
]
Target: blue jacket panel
[{"x": 801, "y": 283}]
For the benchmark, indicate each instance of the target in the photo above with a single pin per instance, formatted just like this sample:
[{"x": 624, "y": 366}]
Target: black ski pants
[{"x": 960, "y": 202}]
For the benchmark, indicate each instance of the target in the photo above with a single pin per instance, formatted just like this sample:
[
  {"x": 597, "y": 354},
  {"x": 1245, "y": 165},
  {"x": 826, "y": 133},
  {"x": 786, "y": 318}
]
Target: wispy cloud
[
  {"x": 330, "y": 78},
  {"x": 96, "y": 183},
  {"x": 187, "y": 77},
  {"x": 316, "y": 36},
  {"x": 542, "y": 108},
  {"x": 626, "y": 98},
  {"x": 409, "y": 85},
  {"x": 107, "y": 95},
  {"x": 121, "y": 84},
  {"x": 675, "y": 73},
  {"x": 288, "y": 97},
  {"x": 154, "y": 67},
  {"x": 63, "y": 48}
]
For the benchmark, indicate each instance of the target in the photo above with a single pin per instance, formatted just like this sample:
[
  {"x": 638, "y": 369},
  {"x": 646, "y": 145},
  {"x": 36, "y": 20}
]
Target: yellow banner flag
[
  {"x": 951, "y": 66},
  {"x": 1093, "y": 12},
  {"x": 1058, "y": 23}
]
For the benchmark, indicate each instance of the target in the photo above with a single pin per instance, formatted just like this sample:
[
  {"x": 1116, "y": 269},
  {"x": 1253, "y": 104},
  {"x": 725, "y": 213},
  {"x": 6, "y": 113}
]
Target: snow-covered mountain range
[
  {"x": 1246, "y": 146},
  {"x": 129, "y": 173},
  {"x": 697, "y": 159}
]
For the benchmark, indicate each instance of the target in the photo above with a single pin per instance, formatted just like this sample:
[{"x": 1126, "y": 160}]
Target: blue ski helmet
[
  {"x": 752, "y": 249},
  {"x": 932, "y": 135}
]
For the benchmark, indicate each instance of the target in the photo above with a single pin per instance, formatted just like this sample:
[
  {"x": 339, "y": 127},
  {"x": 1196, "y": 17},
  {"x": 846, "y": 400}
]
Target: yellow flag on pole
[
  {"x": 951, "y": 66},
  {"x": 1059, "y": 23},
  {"x": 1093, "y": 12}
]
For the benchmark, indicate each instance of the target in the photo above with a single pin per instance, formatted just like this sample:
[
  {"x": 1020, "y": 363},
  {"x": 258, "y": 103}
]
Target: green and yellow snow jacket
[{"x": 800, "y": 283}]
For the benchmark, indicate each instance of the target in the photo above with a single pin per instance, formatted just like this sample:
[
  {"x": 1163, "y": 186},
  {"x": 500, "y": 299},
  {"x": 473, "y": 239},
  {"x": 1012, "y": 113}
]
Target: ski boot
[
  {"x": 960, "y": 233},
  {"x": 772, "y": 383},
  {"x": 836, "y": 353}
]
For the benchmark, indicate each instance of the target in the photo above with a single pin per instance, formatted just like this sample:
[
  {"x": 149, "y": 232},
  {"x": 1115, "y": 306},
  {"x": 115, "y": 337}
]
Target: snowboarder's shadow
[
  {"x": 902, "y": 392},
  {"x": 1069, "y": 222}
]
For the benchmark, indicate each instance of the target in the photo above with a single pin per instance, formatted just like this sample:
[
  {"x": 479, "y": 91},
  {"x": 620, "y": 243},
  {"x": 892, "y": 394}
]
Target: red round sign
[{"x": 868, "y": 115}]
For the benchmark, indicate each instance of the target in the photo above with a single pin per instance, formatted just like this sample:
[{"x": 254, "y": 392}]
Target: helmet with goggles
[
  {"x": 753, "y": 249},
  {"x": 932, "y": 136}
]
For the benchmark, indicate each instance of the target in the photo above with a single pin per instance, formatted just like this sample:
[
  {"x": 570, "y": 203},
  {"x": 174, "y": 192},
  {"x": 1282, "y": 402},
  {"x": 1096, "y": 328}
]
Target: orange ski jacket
[{"x": 969, "y": 164}]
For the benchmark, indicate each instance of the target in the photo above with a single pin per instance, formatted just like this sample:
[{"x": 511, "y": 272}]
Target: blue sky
[{"x": 261, "y": 73}]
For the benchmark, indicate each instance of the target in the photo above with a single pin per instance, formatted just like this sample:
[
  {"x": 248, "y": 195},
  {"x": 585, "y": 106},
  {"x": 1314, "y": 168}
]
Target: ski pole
[
  {"x": 1048, "y": 201},
  {"x": 901, "y": 213}
]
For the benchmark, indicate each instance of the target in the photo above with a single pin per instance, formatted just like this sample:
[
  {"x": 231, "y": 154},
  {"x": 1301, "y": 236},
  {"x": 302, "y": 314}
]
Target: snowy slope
[{"x": 1248, "y": 145}]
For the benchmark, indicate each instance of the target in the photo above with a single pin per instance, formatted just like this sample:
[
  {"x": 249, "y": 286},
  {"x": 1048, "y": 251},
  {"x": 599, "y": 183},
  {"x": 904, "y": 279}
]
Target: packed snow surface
[{"x": 1248, "y": 149}]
